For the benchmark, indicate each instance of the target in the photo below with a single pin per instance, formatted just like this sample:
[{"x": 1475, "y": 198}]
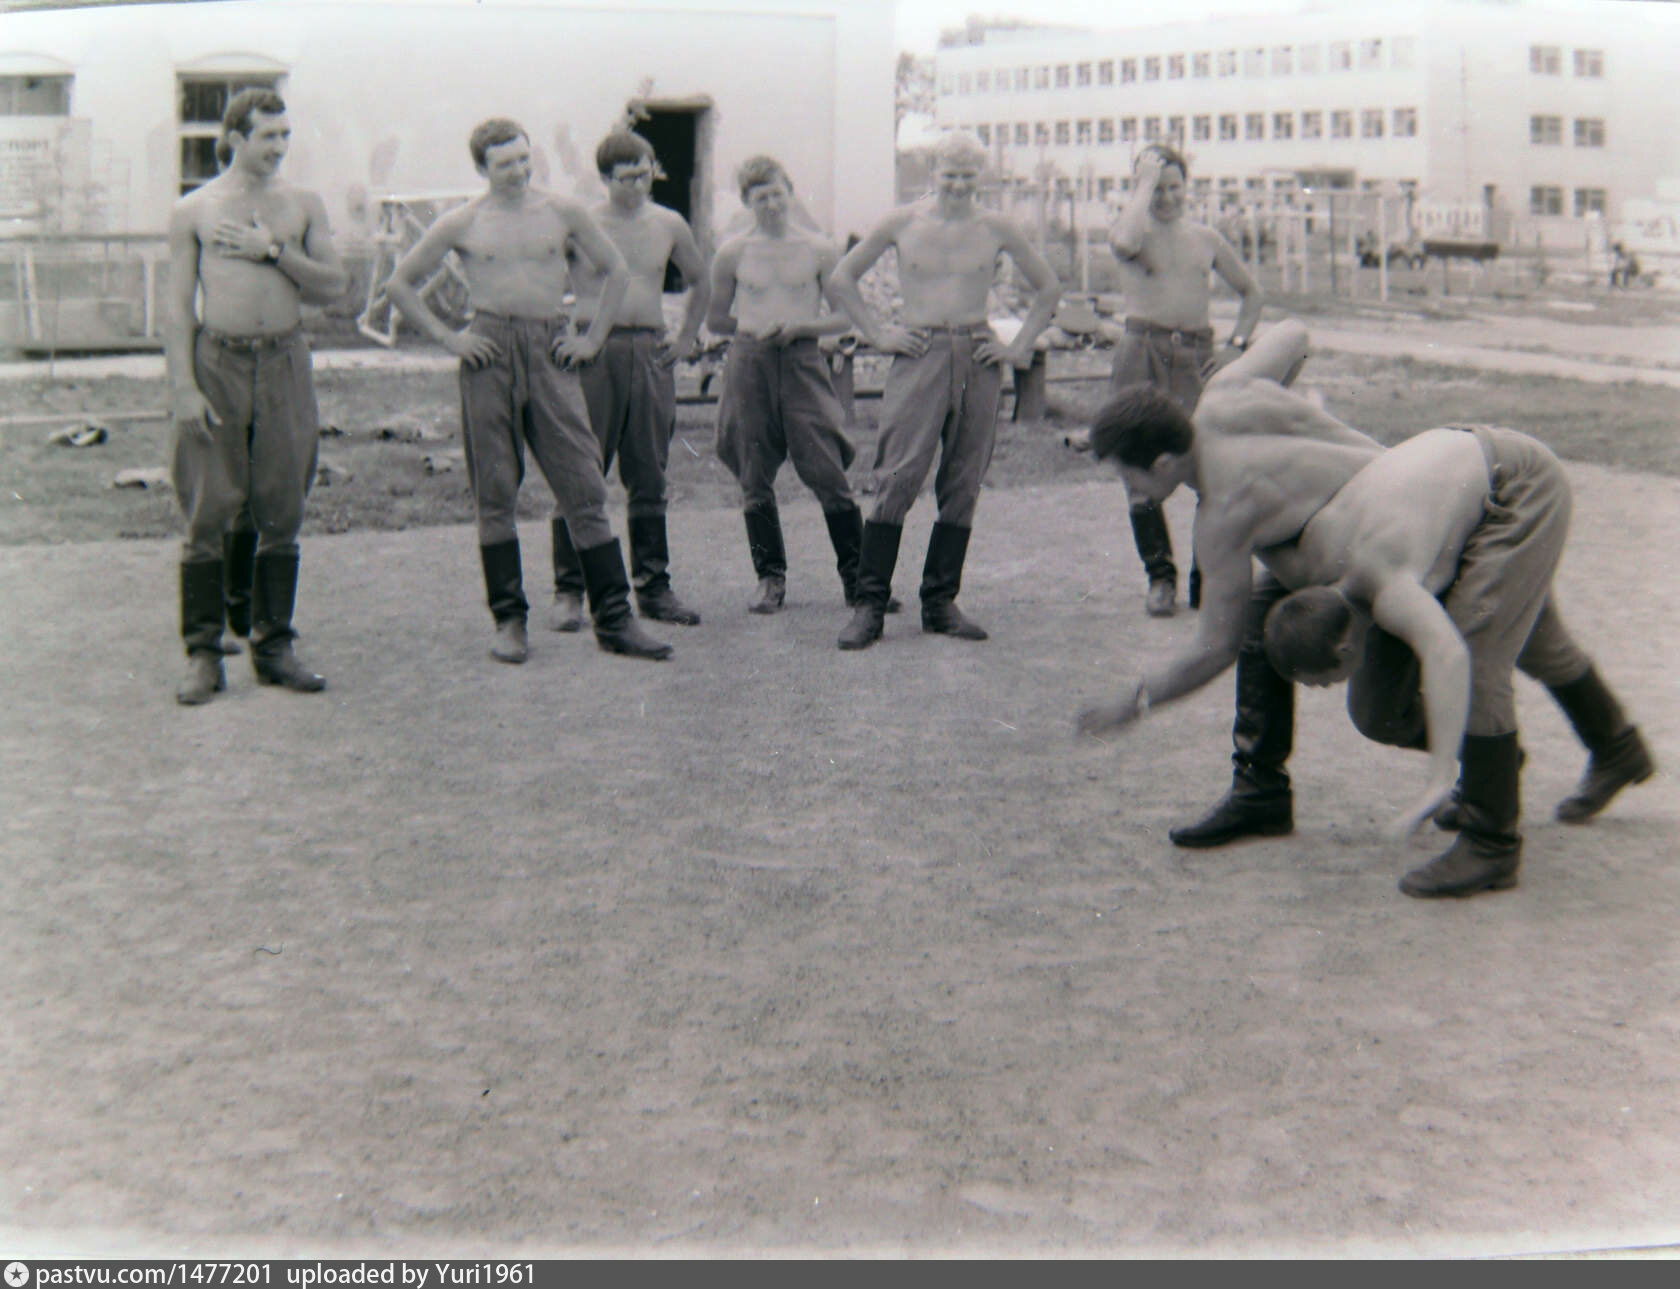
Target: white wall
[{"x": 808, "y": 80}]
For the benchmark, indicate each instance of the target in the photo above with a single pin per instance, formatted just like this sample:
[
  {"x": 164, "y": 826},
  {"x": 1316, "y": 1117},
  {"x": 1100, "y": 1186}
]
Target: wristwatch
[{"x": 272, "y": 254}]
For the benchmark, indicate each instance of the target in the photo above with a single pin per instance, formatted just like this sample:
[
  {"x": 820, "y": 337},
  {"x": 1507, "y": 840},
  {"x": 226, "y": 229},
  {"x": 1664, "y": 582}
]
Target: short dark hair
[
  {"x": 621, "y": 148},
  {"x": 1303, "y": 630},
  {"x": 1138, "y": 424},
  {"x": 1170, "y": 156},
  {"x": 493, "y": 133},
  {"x": 240, "y": 109},
  {"x": 760, "y": 170}
]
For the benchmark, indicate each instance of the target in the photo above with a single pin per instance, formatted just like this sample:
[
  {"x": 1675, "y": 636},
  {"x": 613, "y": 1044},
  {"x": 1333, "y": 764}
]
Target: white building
[
  {"x": 383, "y": 95},
  {"x": 1548, "y": 116}
]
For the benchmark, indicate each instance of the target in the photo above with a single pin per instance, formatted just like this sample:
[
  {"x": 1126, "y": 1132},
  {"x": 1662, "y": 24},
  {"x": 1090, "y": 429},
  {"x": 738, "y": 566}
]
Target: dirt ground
[{"x": 772, "y": 949}]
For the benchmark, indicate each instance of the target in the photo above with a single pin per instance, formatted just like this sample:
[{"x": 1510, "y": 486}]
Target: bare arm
[
  {"x": 594, "y": 243},
  {"x": 1260, "y": 406},
  {"x": 1229, "y": 266},
  {"x": 1405, "y": 609},
  {"x": 685, "y": 254},
  {"x": 843, "y": 292},
  {"x": 309, "y": 262},
  {"x": 1227, "y": 582},
  {"x": 424, "y": 258},
  {"x": 1131, "y": 227},
  {"x": 314, "y": 265},
  {"x": 719, "y": 320},
  {"x": 188, "y": 407},
  {"x": 1047, "y": 291}
]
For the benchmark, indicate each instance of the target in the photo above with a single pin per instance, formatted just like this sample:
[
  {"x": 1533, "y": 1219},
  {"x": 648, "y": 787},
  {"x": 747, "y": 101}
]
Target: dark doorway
[{"x": 676, "y": 132}]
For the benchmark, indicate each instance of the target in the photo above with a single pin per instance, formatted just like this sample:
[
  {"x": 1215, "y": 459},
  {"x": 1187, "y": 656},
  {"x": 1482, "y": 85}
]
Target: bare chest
[
  {"x": 645, "y": 243},
  {"x": 771, "y": 268},
  {"x": 932, "y": 248},
  {"x": 534, "y": 239},
  {"x": 280, "y": 213}
]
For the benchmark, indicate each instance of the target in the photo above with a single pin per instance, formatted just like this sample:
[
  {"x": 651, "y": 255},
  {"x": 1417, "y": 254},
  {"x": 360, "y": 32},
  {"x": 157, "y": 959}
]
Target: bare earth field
[{"x": 773, "y": 949}]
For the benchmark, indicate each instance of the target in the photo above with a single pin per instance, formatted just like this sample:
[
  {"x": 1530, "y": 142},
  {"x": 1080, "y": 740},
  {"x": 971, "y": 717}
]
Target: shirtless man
[
  {"x": 946, "y": 375},
  {"x": 630, "y": 387},
  {"x": 241, "y": 397},
  {"x": 519, "y": 381},
  {"x": 1263, "y": 463},
  {"x": 778, "y": 401},
  {"x": 1477, "y": 516},
  {"x": 1164, "y": 262}
]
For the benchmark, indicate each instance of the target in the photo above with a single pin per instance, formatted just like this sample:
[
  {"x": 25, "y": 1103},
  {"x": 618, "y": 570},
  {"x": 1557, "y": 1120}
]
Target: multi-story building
[{"x": 1549, "y": 116}]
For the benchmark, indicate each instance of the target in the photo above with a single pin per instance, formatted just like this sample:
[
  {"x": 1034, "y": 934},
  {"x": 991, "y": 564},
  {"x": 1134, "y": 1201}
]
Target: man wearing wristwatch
[
  {"x": 241, "y": 394},
  {"x": 1164, "y": 262}
]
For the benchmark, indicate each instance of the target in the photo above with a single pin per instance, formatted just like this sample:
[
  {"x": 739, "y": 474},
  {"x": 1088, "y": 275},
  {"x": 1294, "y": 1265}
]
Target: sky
[{"x": 920, "y": 21}]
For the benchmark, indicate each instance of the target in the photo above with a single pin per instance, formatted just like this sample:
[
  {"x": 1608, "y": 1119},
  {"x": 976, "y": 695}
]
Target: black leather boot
[
  {"x": 1259, "y": 803},
  {"x": 876, "y": 561},
  {"x": 769, "y": 557},
  {"x": 942, "y": 579},
  {"x": 274, "y": 595},
  {"x": 1487, "y": 852},
  {"x": 504, "y": 586},
  {"x": 239, "y": 554},
  {"x": 567, "y": 612},
  {"x": 650, "y": 565},
  {"x": 201, "y": 632},
  {"x": 1154, "y": 548},
  {"x": 616, "y": 629},
  {"x": 845, "y": 530},
  {"x": 1618, "y": 754}
]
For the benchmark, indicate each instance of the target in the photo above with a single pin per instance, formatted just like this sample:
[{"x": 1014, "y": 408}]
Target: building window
[
  {"x": 946, "y": 85},
  {"x": 1041, "y": 133},
  {"x": 1403, "y": 53},
  {"x": 1105, "y": 72},
  {"x": 1021, "y": 134},
  {"x": 1128, "y": 129},
  {"x": 1254, "y": 62},
  {"x": 1545, "y": 200},
  {"x": 1283, "y": 125},
  {"x": 1175, "y": 67},
  {"x": 1341, "y": 124},
  {"x": 1371, "y": 123},
  {"x": 1283, "y": 60},
  {"x": 1201, "y": 128},
  {"x": 1405, "y": 123},
  {"x": 34, "y": 95},
  {"x": 984, "y": 134},
  {"x": 1063, "y": 71},
  {"x": 965, "y": 83},
  {"x": 1254, "y": 125},
  {"x": 1128, "y": 70},
  {"x": 1589, "y": 132},
  {"x": 1152, "y": 68},
  {"x": 1105, "y": 187},
  {"x": 1589, "y": 62},
  {"x": 1175, "y": 130},
  {"x": 1105, "y": 130},
  {"x": 1341, "y": 56},
  {"x": 1082, "y": 74},
  {"x": 1589, "y": 201},
  {"x": 1545, "y": 129},
  {"x": 1063, "y": 132},
  {"x": 1312, "y": 125},
  {"x": 1023, "y": 77},
  {"x": 1202, "y": 186},
  {"x": 982, "y": 82},
  {"x": 1201, "y": 65},
  {"x": 1041, "y": 78},
  {"x": 1370, "y": 54},
  {"x": 1227, "y": 126},
  {"x": 1082, "y": 133},
  {"x": 1151, "y": 129},
  {"x": 1547, "y": 60},
  {"x": 1227, "y": 62},
  {"x": 1309, "y": 60},
  {"x": 204, "y": 98}
]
